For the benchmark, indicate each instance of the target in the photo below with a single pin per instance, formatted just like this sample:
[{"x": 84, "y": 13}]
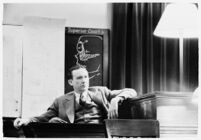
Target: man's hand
[
  {"x": 19, "y": 122},
  {"x": 113, "y": 109}
]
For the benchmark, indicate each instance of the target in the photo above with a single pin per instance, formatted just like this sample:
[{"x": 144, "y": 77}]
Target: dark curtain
[{"x": 142, "y": 61}]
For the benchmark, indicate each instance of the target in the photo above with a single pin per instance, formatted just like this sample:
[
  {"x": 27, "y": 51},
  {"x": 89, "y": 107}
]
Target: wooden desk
[{"x": 132, "y": 128}]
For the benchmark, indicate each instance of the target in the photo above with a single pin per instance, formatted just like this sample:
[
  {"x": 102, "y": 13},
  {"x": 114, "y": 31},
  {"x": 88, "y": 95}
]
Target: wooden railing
[
  {"x": 141, "y": 107},
  {"x": 62, "y": 130}
]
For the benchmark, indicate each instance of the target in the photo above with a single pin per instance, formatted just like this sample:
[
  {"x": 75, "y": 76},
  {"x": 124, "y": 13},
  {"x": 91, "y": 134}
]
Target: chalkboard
[{"x": 87, "y": 47}]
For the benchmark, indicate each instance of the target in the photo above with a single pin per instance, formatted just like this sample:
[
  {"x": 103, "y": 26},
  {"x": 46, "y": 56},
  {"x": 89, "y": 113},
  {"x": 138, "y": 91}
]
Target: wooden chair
[{"x": 132, "y": 128}]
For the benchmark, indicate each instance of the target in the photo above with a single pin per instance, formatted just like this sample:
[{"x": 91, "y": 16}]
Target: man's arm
[
  {"x": 117, "y": 96},
  {"x": 45, "y": 117},
  {"x": 126, "y": 93}
]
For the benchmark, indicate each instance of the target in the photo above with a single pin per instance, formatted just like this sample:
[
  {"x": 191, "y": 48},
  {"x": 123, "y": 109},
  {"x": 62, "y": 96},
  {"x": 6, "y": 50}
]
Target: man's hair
[{"x": 75, "y": 67}]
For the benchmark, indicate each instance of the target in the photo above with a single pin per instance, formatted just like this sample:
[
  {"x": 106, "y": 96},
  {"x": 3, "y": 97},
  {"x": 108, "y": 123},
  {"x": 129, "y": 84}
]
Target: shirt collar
[{"x": 77, "y": 95}]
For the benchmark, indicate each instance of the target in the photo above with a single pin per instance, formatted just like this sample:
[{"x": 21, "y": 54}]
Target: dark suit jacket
[{"x": 64, "y": 106}]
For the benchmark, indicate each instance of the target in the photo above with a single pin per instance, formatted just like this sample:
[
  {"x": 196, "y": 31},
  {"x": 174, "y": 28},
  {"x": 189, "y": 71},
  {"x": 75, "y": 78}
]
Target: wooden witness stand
[
  {"x": 137, "y": 109},
  {"x": 141, "y": 111}
]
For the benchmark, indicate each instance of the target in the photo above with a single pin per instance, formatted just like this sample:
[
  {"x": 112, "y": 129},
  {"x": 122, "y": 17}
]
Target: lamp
[{"x": 179, "y": 20}]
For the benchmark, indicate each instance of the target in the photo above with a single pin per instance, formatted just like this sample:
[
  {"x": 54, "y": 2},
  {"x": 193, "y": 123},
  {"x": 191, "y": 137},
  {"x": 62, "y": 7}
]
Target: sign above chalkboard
[
  {"x": 85, "y": 31},
  {"x": 87, "y": 47}
]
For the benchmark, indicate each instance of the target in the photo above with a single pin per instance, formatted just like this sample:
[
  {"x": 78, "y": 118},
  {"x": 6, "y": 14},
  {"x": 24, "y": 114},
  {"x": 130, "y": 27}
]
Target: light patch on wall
[
  {"x": 90, "y": 15},
  {"x": 43, "y": 64}
]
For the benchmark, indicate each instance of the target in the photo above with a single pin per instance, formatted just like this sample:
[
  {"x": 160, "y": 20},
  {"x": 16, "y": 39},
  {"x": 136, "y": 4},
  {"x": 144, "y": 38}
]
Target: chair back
[{"x": 132, "y": 128}]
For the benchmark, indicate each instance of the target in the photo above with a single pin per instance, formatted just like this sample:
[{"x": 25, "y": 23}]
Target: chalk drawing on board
[{"x": 84, "y": 55}]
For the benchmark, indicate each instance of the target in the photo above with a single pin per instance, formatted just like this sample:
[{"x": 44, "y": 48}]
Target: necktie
[{"x": 83, "y": 99}]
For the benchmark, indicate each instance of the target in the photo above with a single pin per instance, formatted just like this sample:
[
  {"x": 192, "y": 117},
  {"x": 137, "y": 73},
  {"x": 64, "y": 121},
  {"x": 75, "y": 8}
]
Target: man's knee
[{"x": 56, "y": 120}]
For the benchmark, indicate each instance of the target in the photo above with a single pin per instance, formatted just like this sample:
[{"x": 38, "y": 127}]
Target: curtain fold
[{"x": 145, "y": 62}]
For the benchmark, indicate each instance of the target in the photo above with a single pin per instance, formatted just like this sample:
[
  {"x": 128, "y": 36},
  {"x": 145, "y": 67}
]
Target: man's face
[{"x": 80, "y": 81}]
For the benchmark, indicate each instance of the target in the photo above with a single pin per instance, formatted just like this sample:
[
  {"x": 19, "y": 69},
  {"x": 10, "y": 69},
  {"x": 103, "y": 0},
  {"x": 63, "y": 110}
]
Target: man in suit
[{"x": 83, "y": 105}]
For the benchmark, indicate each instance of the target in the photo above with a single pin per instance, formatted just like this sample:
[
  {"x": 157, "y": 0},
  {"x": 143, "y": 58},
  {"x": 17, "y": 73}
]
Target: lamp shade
[{"x": 178, "y": 20}]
